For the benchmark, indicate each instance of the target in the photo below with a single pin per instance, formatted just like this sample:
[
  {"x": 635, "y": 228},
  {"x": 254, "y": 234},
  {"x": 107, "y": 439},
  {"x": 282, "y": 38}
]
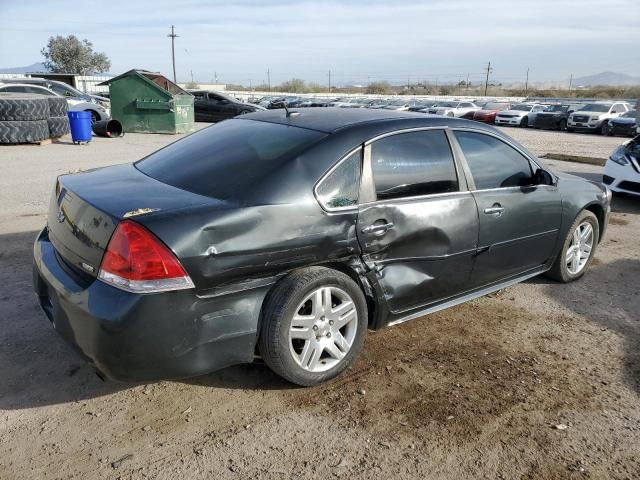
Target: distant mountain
[
  {"x": 606, "y": 78},
  {"x": 33, "y": 68}
]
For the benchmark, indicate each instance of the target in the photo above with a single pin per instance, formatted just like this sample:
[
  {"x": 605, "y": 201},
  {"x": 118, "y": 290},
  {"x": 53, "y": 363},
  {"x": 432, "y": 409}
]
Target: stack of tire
[{"x": 30, "y": 118}]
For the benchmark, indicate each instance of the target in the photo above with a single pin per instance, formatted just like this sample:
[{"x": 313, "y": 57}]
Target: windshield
[
  {"x": 521, "y": 107},
  {"x": 227, "y": 158},
  {"x": 557, "y": 108},
  {"x": 448, "y": 104},
  {"x": 632, "y": 114},
  {"x": 595, "y": 107}
]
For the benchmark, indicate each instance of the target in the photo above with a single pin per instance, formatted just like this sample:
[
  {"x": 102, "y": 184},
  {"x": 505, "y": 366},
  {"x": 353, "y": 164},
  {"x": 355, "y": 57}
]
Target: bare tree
[{"x": 70, "y": 55}]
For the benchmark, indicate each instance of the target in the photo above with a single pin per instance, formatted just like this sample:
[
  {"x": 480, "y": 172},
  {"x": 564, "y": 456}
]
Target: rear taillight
[{"x": 136, "y": 261}]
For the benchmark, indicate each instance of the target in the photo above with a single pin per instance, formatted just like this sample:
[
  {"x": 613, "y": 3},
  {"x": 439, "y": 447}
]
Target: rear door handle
[
  {"x": 378, "y": 228},
  {"x": 495, "y": 210}
]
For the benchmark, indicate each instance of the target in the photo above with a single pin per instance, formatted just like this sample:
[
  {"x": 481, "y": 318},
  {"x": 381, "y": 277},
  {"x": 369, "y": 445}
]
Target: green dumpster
[{"x": 148, "y": 102}]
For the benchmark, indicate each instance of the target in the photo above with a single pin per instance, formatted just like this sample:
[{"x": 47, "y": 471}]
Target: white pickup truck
[{"x": 594, "y": 117}]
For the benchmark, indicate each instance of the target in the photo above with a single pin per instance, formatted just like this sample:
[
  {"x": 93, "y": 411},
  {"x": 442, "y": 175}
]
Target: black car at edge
[
  {"x": 289, "y": 234},
  {"x": 211, "y": 106}
]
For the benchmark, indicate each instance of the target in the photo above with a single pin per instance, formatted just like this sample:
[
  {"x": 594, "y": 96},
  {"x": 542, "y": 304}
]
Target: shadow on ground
[{"x": 608, "y": 308}]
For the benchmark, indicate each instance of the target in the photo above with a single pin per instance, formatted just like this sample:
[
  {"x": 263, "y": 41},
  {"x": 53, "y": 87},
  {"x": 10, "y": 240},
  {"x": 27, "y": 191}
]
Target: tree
[
  {"x": 295, "y": 85},
  {"x": 378, "y": 87},
  {"x": 191, "y": 85},
  {"x": 70, "y": 55}
]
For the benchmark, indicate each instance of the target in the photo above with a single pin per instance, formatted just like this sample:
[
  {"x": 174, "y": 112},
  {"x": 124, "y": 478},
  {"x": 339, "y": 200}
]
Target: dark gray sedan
[{"x": 288, "y": 235}]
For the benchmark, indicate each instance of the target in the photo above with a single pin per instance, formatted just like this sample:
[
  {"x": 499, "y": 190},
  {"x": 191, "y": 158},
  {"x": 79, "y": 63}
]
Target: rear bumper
[{"x": 133, "y": 337}]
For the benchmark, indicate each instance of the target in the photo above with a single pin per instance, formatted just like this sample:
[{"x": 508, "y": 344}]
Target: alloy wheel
[
  {"x": 579, "y": 250},
  {"x": 323, "y": 329}
]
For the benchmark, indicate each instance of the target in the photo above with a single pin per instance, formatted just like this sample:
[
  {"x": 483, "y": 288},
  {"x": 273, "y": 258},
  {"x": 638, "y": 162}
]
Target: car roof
[{"x": 329, "y": 120}]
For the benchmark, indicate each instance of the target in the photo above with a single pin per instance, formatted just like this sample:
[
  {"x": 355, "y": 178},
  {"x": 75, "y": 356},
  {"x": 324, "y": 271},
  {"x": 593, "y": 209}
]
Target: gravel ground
[{"x": 538, "y": 381}]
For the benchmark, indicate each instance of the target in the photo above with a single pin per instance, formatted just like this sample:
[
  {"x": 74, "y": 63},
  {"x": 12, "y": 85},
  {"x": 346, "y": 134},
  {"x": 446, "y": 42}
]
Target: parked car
[
  {"x": 421, "y": 105},
  {"x": 378, "y": 103},
  {"x": 453, "y": 109},
  {"x": 487, "y": 114},
  {"x": 519, "y": 115},
  {"x": 280, "y": 102},
  {"x": 554, "y": 117},
  {"x": 211, "y": 106},
  {"x": 622, "y": 170},
  {"x": 98, "y": 112},
  {"x": 342, "y": 102},
  {"x": 296, "y": 234},
  {"x": 359, "y": 102},
  {"x": 399, "y": 105},
  {"x": 594, "y": 117},
  {"x": 315, "y": 102},
  {"x": 65, "y": 90},
  {"x": 627, "y": 124}
]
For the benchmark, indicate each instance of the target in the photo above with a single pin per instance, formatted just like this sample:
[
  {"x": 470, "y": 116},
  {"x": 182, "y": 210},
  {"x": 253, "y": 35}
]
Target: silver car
[{"x": 519, "y": 115}]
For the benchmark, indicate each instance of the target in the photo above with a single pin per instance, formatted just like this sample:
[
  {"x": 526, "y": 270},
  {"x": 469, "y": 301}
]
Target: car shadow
[
  {"x": 39, "y": 368},
  {"x": 609, "y": 308}
]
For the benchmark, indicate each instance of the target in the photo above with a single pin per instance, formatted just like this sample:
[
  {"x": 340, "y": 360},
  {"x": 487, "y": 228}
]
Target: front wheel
[
  {"x": 578, "y": 249},
  {"x": 524, "y": 122},
  {"x": 562, "y": 126},
  {"x": 314, "y": 323}
]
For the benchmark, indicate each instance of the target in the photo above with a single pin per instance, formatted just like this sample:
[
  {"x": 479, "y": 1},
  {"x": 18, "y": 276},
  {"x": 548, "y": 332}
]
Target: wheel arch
[{"x": 599, "y": 212}]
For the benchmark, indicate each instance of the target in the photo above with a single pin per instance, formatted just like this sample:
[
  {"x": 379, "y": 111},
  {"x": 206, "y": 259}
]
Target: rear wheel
[
  {"x": 94, "y": 116},
  {"x": 578, "y": 249},
  {"x": 562, "y": 126},
  {"x": 313, "y": 325}
]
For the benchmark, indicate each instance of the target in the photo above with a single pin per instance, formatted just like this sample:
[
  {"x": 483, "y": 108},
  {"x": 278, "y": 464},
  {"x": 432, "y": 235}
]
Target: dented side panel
[{"x": 428, "y": 254}]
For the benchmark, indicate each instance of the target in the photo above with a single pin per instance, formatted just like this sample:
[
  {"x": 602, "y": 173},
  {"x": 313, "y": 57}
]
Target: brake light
[{"x": 136, "y": 261}]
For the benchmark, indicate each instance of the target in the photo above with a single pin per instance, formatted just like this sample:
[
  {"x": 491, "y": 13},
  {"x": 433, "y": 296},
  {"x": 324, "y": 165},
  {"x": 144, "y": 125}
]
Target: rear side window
[
  {"x": 228, "y": 158},
  {"x": 493, "y": 163},
  {"x": 412, "y": 164},
  {"x": 340, "y": 188}
]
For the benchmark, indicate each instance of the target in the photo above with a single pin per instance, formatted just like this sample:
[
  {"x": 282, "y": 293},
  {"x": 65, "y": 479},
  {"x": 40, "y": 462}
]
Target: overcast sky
[{"x": 357, "y": 40}]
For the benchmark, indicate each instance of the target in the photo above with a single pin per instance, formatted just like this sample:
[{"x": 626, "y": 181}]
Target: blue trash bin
[{"x": 80, "y": 125}]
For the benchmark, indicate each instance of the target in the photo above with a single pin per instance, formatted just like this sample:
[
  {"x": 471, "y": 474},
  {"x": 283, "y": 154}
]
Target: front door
[
  {"x": 419, "y": 232},
  {"x": 519, "y": 220}
]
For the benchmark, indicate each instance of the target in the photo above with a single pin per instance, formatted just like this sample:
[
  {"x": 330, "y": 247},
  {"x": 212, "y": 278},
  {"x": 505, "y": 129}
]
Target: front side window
[
  {"x": 412, "y": 164},
  {"x": 492, "y": 162},
  {"x": 340, "y": 188}
]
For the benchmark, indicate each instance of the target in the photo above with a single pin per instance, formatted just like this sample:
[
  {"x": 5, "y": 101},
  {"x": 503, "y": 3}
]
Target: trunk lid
[{"x": 85, "y": 209}]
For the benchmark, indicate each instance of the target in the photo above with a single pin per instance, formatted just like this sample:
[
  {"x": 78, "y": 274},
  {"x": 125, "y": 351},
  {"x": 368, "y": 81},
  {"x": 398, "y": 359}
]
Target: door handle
[
  {"x": 495, "y": 210},
  {"x": 378, "y": 228}
]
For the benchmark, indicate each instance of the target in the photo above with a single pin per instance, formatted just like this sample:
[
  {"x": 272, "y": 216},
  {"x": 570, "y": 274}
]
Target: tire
[
  {"x": 58, "y": 126},
  {"x": 560, "y": 270},
  {"x": 23, "y": 131},
  {"x": 286, "y": 356},
  {"x": 604, "y": 128},
  {"x": 58, "y": 106},
  {"x": 94, "y": 116},
  {"x": 562, "y": 126},
  {"x": 22, "y": 107},
  {"x": 524, "y": 122}
]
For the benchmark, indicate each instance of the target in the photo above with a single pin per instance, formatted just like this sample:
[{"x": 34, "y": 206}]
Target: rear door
[
  {"x": 417, "y": 221},
  {"x": 519, "y": 222}
]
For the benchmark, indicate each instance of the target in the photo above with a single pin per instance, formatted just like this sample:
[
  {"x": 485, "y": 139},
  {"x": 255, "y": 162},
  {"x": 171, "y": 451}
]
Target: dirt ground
[{"x": 538, "y": 381}]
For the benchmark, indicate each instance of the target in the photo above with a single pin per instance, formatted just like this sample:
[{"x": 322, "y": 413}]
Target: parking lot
[{"x": 538, "y": 381}]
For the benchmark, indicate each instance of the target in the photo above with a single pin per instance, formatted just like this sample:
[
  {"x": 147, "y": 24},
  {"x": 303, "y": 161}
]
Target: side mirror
[{"x": 542, "y": 177}]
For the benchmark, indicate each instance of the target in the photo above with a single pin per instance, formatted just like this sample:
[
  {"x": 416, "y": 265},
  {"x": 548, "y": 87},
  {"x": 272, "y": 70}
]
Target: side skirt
[{"x": 468, "y": 296}]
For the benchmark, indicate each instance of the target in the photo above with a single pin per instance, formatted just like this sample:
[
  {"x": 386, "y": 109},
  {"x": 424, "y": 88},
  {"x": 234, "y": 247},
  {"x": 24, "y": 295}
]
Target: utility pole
[
  {"x": 526, "y": 82},
  {"x": 570, "y": 81},
  {"x": 329, "y": 81},
  {"x": 192, "y": 77},
  {"x": 269, "y": 79},
  {"x": 486, "y": 81},
  {"x": 173, "y": 51}
]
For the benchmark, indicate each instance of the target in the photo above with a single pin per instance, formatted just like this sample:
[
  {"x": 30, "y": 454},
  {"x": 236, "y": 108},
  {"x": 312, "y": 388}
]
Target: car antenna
[{"x": 288, "y": 114}]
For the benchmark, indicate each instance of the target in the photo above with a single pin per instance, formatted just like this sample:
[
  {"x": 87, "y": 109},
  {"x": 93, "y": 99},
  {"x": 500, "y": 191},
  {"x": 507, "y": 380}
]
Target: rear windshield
[{"x": 228, "y": 157}]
